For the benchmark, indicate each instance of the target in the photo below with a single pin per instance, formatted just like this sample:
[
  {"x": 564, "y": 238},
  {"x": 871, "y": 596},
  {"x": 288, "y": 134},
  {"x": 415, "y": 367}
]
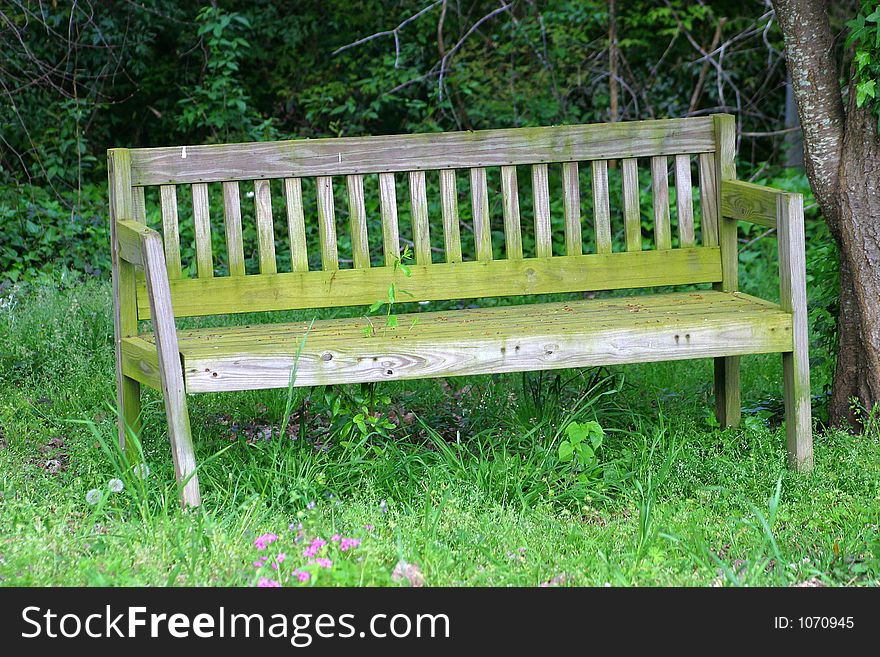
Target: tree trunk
[
  {"x": 858, "y": 360},
  {"x": 842, "y": 157}
]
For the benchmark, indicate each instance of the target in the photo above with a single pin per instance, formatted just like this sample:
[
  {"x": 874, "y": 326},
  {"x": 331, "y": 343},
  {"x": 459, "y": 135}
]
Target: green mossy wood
[{"x": 721, "y": 323}]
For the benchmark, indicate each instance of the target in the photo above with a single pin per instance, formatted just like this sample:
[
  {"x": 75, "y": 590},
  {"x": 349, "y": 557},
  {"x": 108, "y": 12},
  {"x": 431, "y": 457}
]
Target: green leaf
[
  {"x": 376, "y": 305},
  {"x": 391, "y": 322},
  {"x": 566, "y": 451}
]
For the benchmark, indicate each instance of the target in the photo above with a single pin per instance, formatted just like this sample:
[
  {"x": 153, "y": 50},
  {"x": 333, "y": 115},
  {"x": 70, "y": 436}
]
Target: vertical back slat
[
  {"x": 510, "y": 203},
  {"x": 660, "y": 184},
  {"x": 708, "y": 200},
  {"x": 232, "y": 224},
  {"x": 684, "y": 200},
  {"x": 480, "y": 208},
  {"x": 170, "y": 230},
  {"x": 632, "y": 215},
  {"x": 327, "y": 224},
  {"x": 571, "y": 201},
  {"x": 139, "y": 204},
  {"x": 296, "y": 224},
  {"x": 541, "y": 199},
  {"x": 419, "y": 204},
  {"x": 601, "y": 206},
  {"x": 449, "y": 208},
  {"x": 265, "y": 230},
  {"x": 360, "y": 246},
  {"x": 390, "y": 232},
  {"x": 202, "y": 220}
]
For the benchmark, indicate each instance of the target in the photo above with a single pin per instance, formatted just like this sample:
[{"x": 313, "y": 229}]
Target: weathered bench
[{"x": 719, "y": 323}]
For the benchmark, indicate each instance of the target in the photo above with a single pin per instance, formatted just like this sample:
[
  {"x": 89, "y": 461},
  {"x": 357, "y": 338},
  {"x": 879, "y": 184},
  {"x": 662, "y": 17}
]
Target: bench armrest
[
  {"x": 745, "y": 201},
  {"x": 143, "y": 246},
  {"x": 784, "y": 211},
  {"x": 130, "y": 236}
]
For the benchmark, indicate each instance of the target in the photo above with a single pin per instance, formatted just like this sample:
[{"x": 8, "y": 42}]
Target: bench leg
[
  {"x": 728, "y": 407},
  {"x": 129, "y": 404},
  {"x": 798, "y": 414},
  {"x": 180, "y": 436}
]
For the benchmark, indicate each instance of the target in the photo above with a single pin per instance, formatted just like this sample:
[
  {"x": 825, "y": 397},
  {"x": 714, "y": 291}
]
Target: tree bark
[
  {"x": 842, "y": 158},
  {"x": 858, "y": 360}
]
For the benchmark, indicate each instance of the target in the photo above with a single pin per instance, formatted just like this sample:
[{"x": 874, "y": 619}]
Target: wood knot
[{"x": 326, "y": 356}]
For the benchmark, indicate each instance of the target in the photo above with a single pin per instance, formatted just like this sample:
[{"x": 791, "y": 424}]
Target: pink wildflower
[
  {"x": 302, "y": 575},
  {"x": 258, "y": 564},
  {"x": 261, "y": 542},
  {"x": 324, "y": 563},
  {"x": 266, "y": 583},
  {"x": 335, "y": 538},
  {"x": 349, "y": 543},
  {"x": 281, "y": 557}
]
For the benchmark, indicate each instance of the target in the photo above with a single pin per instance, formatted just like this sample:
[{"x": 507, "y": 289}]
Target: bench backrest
[{"x": 308, "y": 176}]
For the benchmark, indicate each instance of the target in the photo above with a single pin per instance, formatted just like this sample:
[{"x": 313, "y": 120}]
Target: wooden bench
[{"x": 719, "y": 323}]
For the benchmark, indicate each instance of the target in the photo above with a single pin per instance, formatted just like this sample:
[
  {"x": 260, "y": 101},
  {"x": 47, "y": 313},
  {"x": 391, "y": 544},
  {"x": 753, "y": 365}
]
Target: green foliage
[
  {"x": 47, "y": 238},
  {"x": 583, "y": 439},
  {"x": 219, "y": 105},
  {"x": 865, "y": 36}
]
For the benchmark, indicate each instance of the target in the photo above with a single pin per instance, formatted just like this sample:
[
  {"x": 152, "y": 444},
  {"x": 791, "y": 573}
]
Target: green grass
[{"x": 475, "y": 492}]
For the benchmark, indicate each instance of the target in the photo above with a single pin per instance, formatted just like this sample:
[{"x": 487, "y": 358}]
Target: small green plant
[
  {"x": 583, "y": 440},
  {"x": 400, "y": 265},
  {"x": 354, "y": 418}
]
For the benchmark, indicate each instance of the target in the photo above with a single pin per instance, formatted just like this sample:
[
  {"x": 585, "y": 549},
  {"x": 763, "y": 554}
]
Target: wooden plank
[
  {"x": 660, "y": 185},
  {"x": 327, "y": 224},
  {"x": 397, "y": 153},
  {"x": 128, "y": 237},
  {"x": 466, "y": 342},
  {"x": 232, "y": 223},
  {"x": 296, "y": 224},
  {"x": 571, "y": 201},
  {"x": 390, "y": 231},
  {"x": 480, "y": 209},
  {"x": 265, "y": 226},
  {"x": 360, "y": 245},
  {"x": 601, "y": 206},
  {"x": 170, "y": 371},
  {"x": 449, "y": 209},
  {"x": 202, "y": 219},
  {"x": 139, "y": 205},
  {"x": 125, "y": 307},
  {"x": 541, "y": 200},
  {"x": 418, "y": 200},
  {"x": 632, "y": 213},
  {"x": 684, "y": 200},
  {"x": 597, "y": 311},
  {"x": 793, "y": 298},
  {"x": 746, "y": 201},
  {"x": 510, "y": 206},
  {"x": 441, "y": 281},
  {"x": 725, "y": 170},
  {"x": 728, "y": 404},
  {"x": 170, "y": 229},
  {"x": 140, "y": 362},
  {"x": 709, "y": 216}
]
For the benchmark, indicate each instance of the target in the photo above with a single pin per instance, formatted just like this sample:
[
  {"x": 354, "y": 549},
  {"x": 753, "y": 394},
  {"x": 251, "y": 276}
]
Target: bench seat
[{"x": 581, "y": 333}]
